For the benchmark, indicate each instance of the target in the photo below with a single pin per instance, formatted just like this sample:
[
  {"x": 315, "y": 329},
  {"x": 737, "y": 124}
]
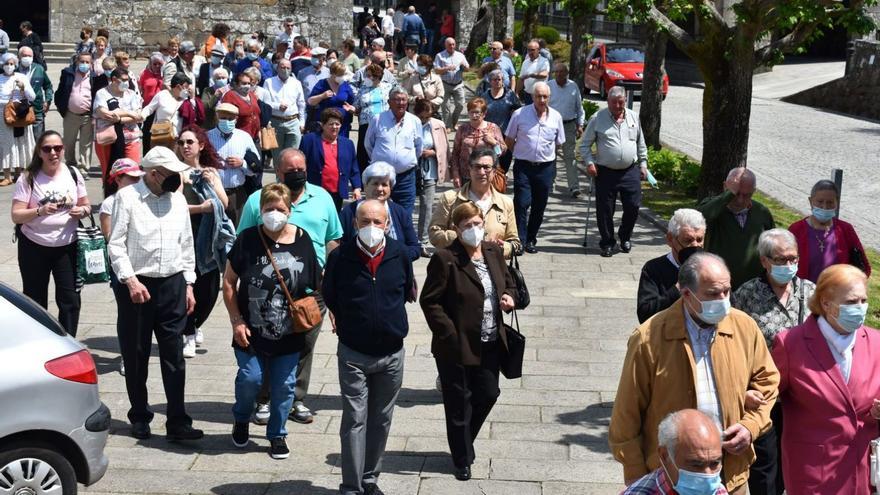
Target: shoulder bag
[
  {"x": 512, "y": 357},
  {"x": 19, "y": 113},
  {"x": 268, "y": 139},
  {"x": 305, "y": 314},
  {"x": 522, "y": 291},
  {"x": 92, "y": 262},
  {"x": 162, "y": 134}
]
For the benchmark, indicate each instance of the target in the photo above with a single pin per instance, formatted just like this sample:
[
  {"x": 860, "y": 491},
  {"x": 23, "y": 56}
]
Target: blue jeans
[
  {"x": 404, "y": 192},
  {"x": 531, "y": 189},
  {"x": 282, "y": 379}
]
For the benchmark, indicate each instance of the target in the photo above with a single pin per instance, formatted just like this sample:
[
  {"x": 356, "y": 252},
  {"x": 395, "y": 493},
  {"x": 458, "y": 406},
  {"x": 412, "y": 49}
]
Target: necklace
[{"x": 821, "y": 238}]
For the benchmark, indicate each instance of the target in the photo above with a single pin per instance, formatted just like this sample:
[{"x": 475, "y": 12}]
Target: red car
[{"x": 611, "y": 64}]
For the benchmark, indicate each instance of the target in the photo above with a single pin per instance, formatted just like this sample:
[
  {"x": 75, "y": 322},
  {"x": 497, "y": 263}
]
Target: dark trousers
[
  {"x": 35, "y": 263},
  {"x": 505, "y": 160},
  {"x": 337, "y": 200},
  {"x": 469, "y": 392},
  {"x": 165, "y": 315},
  {"x": 146, "y": 138},
  {"x": 205, "y": 291},
  {"x": 237, "y": 198},
  {"x": 765, "y": 475},
  {"x": 609, "y": 184},
  {"x": 532, "y": 182},
  {"x": 404, "y": 192},
  {"x": 363, "y": 158}
]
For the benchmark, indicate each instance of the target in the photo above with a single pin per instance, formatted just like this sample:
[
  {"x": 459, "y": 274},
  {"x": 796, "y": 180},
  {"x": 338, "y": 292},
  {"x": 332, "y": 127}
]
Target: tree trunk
[
  {"x": 652, "y": 82},
  {"x": 578, "y": 55},
  {"x": 499, "y": 20},
  {"x": 529, "y": 26},
  {"x": 480, "y": 32}
]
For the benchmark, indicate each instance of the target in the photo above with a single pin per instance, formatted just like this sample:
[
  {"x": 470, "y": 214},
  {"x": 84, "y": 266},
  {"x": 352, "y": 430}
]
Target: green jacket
[
  {"x": 737, "y": 245},
  {"x": 42, "y": 86}
]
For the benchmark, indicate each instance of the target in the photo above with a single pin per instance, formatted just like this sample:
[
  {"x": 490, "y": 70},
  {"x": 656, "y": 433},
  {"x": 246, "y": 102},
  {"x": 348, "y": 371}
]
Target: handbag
[
  {"x": 856, "y": 259},
  {"x": 305, "y": 314},
  {"x": 499, "y": 180},
  {"x": 512, "y": 357},
  {"x": 106, "y": 135},
  {"x": 268, "y": 139},
  {"x": 162, "y": 134},
  {"x": 19, "y": 113},
  {"x": 92, "y": 261},
  {"x": 522, "y": 291}
]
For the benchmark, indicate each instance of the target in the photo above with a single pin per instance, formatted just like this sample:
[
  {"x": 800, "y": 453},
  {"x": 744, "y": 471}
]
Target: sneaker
[
  {"x": 200, "y": 337},
  {"x": 261, "y": 415},
  {"x": 301, "y": 414},
  {"x": 278, "y": 448},
  {"x": 189, "y": 346},
  {"x": 240, "y": 434}
]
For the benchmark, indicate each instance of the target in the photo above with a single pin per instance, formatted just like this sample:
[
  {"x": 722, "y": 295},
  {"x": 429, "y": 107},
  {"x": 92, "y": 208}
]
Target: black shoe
[
  {"x": 278, "y": 448},
  {"x": 575, "y": 194},
  {"x": 140, "y": 430},
  {"x": 530, "y": 248},
  {"x": 185, "y": 432},
  {"x": 424, "y": 253},
  {"x": 606, "y": 252},
  {"x": 240, "y": 434},
  {"x": 372, "y": 489},
  {"x": 463, "y": 474},
  {"x": 625, "y": 247}
]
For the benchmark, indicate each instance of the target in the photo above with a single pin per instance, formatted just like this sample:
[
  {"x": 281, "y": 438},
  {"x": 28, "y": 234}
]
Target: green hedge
[
  {"x": 549, "y": 34},
  {"x": 590, "y": 107},
  {"x": 675, "y": 169}
]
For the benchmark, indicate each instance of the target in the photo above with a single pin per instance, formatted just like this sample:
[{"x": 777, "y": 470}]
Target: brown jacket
[
  {"x": 500, "y": 222},
  {"x": 452, "y": 300},
  {"x": 659, "y": 377}
]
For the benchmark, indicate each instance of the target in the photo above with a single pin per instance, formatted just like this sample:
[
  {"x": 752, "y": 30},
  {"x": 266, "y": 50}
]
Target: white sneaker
[
  {"x": 189, "y": 346},
  {"x": 200, "y": 337},
  {"x": 261, "y": 415}
]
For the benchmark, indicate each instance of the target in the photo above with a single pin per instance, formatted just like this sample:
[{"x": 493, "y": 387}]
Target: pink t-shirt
[{"x": 58, "y": 229}]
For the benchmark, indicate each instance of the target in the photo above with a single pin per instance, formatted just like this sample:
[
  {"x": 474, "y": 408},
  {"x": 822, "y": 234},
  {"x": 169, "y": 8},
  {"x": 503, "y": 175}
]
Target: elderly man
[
  {"x": 388, "y": 26},
  {"x": 565, "y": 98},
  {"x": 309, "y": 76},
  {"x": 252, "y": 58},
  {"x": 366, "y": 286},
  {"x": 690, "y": 458},
  {"x": 619, "y": 164},
  {"x": 698, "y": 353},
  {"x": 313, "y": 211},
  {"x": 285, "y": 95},
  {"x": 414, "y": 32},
  {"x": 206, "y": 70},
  {"x": 733, "y": 224},
  {"x": 395, "y": 137},
  {"x": 183, "y": 62},
  {"x": 236, "y": 148},
  {"x": 658, "y": 284},
  {"x": 151, "y": 251},
  {"x": 378, "y": 58},
  {"x": 777, "y": 299},
  {"x": 450, "y": 65},
  {"x": 505, "y": 65},
  {"x": 534, "y": 133},
  {"x": 42, "y": 86},
  {"x": 534, "y": 69},
  {"x": 74, "y": 102}
]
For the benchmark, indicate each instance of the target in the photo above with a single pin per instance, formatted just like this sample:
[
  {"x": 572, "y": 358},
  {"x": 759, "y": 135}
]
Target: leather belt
[{"x": 286, "y": 118}]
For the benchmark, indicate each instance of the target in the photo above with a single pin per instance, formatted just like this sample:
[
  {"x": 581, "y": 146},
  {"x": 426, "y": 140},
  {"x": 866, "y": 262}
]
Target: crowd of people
[{"x": 742, "y": 323}]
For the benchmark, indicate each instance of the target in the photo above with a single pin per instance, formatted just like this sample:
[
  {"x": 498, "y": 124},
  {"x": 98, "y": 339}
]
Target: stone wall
[{"x": 141, "y": 25}]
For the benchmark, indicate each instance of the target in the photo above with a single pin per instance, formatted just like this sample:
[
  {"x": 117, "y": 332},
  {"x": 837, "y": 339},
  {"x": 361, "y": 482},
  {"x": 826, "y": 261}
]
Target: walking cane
[{"x": 589, "y": 203}]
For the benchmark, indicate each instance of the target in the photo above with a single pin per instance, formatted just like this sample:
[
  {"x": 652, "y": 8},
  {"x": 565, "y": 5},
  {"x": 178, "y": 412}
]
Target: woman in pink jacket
[{"x": 829, "y": 389}]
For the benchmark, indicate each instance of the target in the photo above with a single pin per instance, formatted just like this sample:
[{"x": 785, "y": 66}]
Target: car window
[
  {"x": 625, "y": 55},
  {"x": 30, "y": 308}
]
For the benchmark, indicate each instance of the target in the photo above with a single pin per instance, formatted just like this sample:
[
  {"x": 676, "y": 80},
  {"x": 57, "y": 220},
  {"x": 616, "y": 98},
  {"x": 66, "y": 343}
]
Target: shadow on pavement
[
  {"x": 287, "y": 487},
  {"x": 593, "y": 417}
]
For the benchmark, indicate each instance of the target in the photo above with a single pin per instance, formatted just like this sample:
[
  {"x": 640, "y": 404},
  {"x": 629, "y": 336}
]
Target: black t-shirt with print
[{"x": 261, "y": 299}]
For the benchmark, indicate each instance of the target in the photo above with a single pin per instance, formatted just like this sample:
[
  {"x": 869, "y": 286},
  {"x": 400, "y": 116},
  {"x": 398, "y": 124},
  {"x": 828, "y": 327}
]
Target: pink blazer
[{"x": 827, "y": 422}]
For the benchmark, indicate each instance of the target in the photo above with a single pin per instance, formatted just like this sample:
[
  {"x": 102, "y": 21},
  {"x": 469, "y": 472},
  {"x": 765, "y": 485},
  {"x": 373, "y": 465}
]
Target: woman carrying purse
[{"x": 16, "y": 143}]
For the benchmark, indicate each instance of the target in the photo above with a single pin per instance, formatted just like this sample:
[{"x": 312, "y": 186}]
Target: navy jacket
[
  {"x": 349, "y": 172},
  {"x": 65, "y": 85},
  {"x": 370, "y": 312},
  {"x": 401, "y": 223}
]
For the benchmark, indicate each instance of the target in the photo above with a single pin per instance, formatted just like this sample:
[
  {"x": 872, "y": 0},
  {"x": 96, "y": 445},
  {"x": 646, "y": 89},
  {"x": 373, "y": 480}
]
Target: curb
[{"x": 653, "y": 219}]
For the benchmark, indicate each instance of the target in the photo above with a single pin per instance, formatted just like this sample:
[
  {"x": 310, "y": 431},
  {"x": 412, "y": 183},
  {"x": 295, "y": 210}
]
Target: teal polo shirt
[{"x": 315, "y": 213}]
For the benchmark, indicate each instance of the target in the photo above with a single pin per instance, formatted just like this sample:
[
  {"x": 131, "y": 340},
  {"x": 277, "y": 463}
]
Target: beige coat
[
  {"x": 500, "y": 222},
  {"x": 441, "y": 147},
  {"x": 431, "y": 88}
]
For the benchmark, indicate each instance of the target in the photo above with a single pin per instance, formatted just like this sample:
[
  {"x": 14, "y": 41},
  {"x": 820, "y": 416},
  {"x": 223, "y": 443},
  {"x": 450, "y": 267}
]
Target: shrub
[
  {"x": 674, "y": 168},
  {"x": 561, "y": 51},
  {"x": 549, "y": 34},
  {"x": 481, "y": 53},
  {"x": 590, "y": 107}
]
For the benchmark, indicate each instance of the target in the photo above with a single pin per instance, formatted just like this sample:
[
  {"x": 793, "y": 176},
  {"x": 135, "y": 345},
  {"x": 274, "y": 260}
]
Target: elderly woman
[
  {"x": 172, "y": 49},
  {"x": 424, "y": 84},
  {"x": 830, "y": 389},
  {"x": 235, "y": 55},
  {"x": 212, "y": 95},
  {"x": 477, "y": 131},
  {"x": 117, "y": 115},
  {"x": 333, "y": 92},
  {"x": 49, "y": 199},
  {"x": 501, "y": 102},
  {"x": 408, "y": 64},
  {"x": 776, "y": 300},
  {"x": 330, "y": 159},
  {"x": 370, "y": 102},
  {"x": 348, "y": 58},
  {"x": 262, "y": 258},
  {"x": 466, "y": 289},
  {"x": 243, "y": 98},
  {"x": 378, "y": 180},
  {"x": 825, "y": 240},
  {"x": 16, "y": 143},
  {"x": 498, "y": 215},
  {"x": 433, "y": 166}
]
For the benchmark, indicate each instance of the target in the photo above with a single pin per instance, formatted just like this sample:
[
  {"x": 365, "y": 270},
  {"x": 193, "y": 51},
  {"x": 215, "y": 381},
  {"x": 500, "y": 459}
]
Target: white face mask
[
  {"x": 8, "y": 69},
  {"x": 340, "y": 79},
  {"x": 26, "y": 61},
  {"x": 371, "y": 236},
  {"x": 473, "y": 236},
  {"x": 274, "y": 220}
]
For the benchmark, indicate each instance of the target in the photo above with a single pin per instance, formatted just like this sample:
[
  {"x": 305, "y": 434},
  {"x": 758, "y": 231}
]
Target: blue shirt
[
  {"x": 315, "y": 213},
  {"x": 396, "y": 143},
  {"x": 413, "y": 26},
  {"x": 266, "y": 70},
  {"x": 309, "y": 77},
  {"x": 506, "y": 67},
  {"x": 535, "y": 139}
]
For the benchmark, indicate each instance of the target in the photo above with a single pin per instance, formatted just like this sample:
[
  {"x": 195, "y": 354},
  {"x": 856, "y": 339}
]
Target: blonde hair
[
  {"x": 831, "y": 280},
  {"x": 273, "y": 193}
]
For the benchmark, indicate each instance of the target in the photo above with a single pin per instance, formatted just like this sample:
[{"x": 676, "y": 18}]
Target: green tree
[
  {"x": 728, "y": 45},
  {"x": 581, "y": 12}
]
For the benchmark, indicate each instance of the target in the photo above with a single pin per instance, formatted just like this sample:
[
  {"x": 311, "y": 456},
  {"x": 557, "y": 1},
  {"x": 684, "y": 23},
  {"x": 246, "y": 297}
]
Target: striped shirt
[
  {"x": 657, "y": 483},
  {"x": 235, "y": 144},
  {"x": 701, "y": 342}
]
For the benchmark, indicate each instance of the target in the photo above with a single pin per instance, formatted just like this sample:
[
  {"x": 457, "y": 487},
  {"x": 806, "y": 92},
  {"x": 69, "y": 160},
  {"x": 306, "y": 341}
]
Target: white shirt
[
  {"x": 388, "y": 26},
  {"x": 129, "y": 101},
  {"x": 701, "y": 340},
  {"x": 530, "y": 66},
  {"x": 455, "y": 59},
  {"x": 9, "y": 89},
  {"x": 151, "y": 235},
  {"x": 841, "y": 346},
  {"x": 236, "y": 144},
  {"x": 167, "y": 108},
  {"x": 289, "y": 93}
]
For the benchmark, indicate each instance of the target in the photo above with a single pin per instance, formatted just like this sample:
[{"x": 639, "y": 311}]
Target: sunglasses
[
  {"x": 181, "y": 142},
  {"x": 58, "y": 148}
]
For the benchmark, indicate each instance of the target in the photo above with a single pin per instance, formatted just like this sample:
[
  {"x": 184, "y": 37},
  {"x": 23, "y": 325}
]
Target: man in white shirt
[
  {"x": 534, "y": 68},
  {"x": 237, "y": 149},
  {"x": 450, "y": 65},
  {"x": 388, "y": 27},
  {"x": 285, "y": 95},
  {"x": 151, "y": 251}
]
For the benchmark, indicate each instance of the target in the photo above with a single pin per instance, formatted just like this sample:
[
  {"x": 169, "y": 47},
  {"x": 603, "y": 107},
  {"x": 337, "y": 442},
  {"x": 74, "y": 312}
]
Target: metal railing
[{"x": 617, "y": 31}]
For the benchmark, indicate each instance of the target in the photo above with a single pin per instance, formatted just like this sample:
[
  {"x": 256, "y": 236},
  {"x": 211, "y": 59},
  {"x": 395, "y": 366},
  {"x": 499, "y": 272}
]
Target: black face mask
[
  {"x": 687, "y": 252},
  {"x": 171, "y": 183},
  {"x": 295, "y": 180}
]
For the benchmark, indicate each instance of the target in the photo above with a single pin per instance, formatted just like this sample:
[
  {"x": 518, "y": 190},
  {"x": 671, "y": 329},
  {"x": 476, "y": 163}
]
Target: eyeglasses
[
  {"x": 181, "y": 142},
  {"x": 58, "y": 148},
  {"x": 482, "y": 168},
  {"x": 785, "y": 261}
]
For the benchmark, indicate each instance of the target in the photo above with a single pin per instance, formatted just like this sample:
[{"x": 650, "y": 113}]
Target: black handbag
[
  {"x": 512, "y": 357},
  {"x": 856, "y": 259},
  {"x": 522, "y": 291}
]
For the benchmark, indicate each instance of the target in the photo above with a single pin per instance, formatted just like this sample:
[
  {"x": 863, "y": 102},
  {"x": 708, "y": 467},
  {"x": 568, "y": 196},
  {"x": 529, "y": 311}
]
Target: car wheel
[
  {"x": 602, "y": 94},
  {"x": 36, "y": 470}
]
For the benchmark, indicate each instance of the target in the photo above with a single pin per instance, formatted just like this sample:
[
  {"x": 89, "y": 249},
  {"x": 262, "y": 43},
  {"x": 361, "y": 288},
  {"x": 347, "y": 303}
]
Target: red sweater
[{"x": 847, "y": 239}]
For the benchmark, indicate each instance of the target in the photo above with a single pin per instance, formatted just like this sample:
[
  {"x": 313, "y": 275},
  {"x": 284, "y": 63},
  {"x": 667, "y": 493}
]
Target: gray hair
[
  {"x": 397, "y": 90},
  {"x": 495, "y": 73},
  {"x": 220, "y": 72},
  {"x": 251, "y": 43},
  {"x": 689, "y": 273},
  {"x": 357, "y": 210},
  {"x": 769, "y": 239},
  {"x": 254, "y": 73},
  {"x": 616, "y": 92},
  {"x": 667, "y": 432},
  {"x": 6, "y": 57},
  {"x": 685, "y": 217},
  {"x": 540, "y": 85},
  {"x": 824, "y": 185},
  {"x": 23, "y": 49},
  {"x": 747, "y": 175},
  {"x": 379, "y": 170},
  {"x": 481, "y": 151},
  {"x": 157, "y": 57}
]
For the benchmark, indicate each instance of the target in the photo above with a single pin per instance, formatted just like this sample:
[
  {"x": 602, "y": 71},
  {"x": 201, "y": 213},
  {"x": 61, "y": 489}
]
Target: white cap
[
  {"x": 379, "y": 41},
  {"x": 161, "y": 156},
  {"x": 319, "y": 50}
]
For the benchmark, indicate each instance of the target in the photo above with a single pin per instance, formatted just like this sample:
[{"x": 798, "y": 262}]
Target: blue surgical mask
[
  {"x": 713, "y": 311},
  {"x": 422, "y": 70},
  {"x": 315, "y": 62},
  {"x": 823, "y": 215},
  {"x": 782, "y": 274},
  {"x": 84, "y": 68},
  {"x": 691, "y": 483},
  {"x": 852, "y": 316},
  {"x": 226, "y": 126},
  {"x": 219, "y": 83},
  {"x": 252, "y": 56},
  {"x": 216, "y": 59}
]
